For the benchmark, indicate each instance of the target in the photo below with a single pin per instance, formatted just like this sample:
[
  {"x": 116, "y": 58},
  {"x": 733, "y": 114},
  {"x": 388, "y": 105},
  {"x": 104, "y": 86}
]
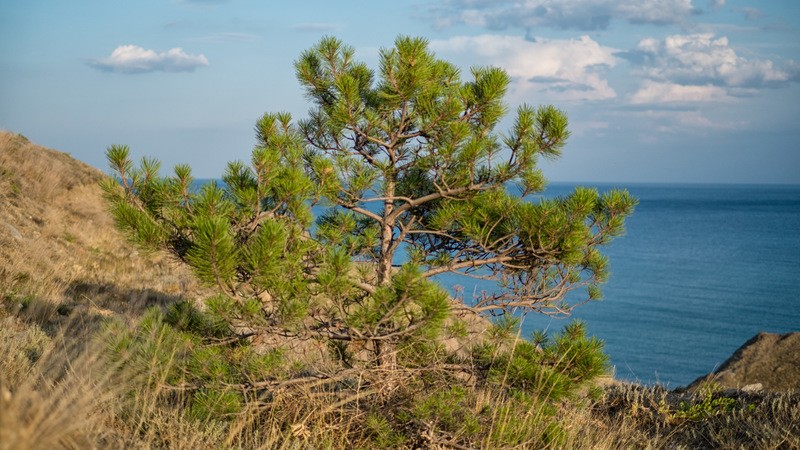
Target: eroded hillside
[{"x": 58, "y": 244}]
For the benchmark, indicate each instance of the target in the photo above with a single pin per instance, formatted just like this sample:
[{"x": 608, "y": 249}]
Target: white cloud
[
  {"x": 135, "y": 59},
  {"x": 701, "y": 68},
  {"x": 654, "y": 92},
  {"x": 576, "y": 14},
  {"x": 657, "y": 12},
  {"x": 563, "y": 69},
  {"x": 701, "y": 59}
]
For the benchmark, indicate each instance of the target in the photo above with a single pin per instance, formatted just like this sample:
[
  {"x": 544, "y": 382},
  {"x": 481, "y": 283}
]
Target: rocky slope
[{"x": 767, "y": 361}]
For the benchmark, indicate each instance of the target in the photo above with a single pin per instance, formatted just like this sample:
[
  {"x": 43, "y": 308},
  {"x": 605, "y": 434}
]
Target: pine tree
[{"x": 413, "y": 180}]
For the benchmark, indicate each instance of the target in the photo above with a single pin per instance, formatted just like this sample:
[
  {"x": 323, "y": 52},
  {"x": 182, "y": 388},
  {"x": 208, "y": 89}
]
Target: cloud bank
[
  {"x": 132, "y": 59},
  {"x": 565, "y": 14},
  {"x": 652, "y": 92},
  {"x": 701, "y": 68},
  {"x": 569, "y": 69},
  {"x": 705, "y": 59}
]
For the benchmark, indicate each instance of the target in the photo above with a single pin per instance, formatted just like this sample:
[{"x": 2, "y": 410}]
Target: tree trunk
[
  {"x": 387, "y": 234},
  {"x": 386, "y": 361}
]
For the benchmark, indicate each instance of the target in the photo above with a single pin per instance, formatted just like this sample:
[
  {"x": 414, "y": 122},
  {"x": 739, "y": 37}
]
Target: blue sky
[{"x": 656, "y": 90}]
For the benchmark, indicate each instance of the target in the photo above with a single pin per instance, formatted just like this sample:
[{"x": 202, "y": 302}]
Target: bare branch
[
  {"x": 364, "y": 212},
  {"x": 441, "y": 193},
  {"x": 466, "y": 264}
]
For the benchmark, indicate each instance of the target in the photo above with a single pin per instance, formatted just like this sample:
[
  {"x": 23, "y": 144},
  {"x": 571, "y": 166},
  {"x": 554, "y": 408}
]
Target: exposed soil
[{"x": 771, "y": 360}]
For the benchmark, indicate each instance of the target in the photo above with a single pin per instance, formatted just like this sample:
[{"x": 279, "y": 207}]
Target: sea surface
[{"x": 701, "y": 269}]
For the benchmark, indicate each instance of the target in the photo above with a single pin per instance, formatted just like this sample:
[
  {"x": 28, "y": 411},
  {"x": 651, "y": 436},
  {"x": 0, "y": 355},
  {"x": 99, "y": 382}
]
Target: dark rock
[{"x": 767, "y": 361}]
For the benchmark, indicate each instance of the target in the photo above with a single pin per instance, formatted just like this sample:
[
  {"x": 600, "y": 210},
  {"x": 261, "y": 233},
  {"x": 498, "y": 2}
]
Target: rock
[
  {"x": 767, "y": 362},
  {"x": 753, "y": 388}
]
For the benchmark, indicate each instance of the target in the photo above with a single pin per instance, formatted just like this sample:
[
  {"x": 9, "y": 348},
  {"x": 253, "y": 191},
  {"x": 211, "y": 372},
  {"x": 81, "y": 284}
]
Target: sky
[{"x": 665, "y": 91}]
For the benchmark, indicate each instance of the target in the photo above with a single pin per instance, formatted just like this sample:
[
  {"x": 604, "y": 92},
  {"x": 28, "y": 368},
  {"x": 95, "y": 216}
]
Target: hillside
[
  {"x": 59, "y": 244},
  {"x": 766, "y": 361},
  {"x": 66, "y": 272}
]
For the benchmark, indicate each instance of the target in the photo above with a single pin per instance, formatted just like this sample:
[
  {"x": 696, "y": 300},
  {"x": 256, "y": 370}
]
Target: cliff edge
[{"x": 767, "y": 359}]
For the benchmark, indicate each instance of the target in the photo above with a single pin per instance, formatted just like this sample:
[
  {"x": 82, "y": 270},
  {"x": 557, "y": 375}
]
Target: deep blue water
[{"x": 701, "y": 269}]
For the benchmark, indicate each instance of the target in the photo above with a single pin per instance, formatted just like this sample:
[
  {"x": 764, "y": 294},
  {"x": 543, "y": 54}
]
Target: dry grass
[
  {"x": 63, "y": 270},
  {"x": 71, "y": 399},
  {"x": 50, "y": 394},
  {"x": 70, "y": 284},
  {"x": 57, "y": 393},
  {"x": 59, "y": 245},
  {"x": 634, "y": 416}
]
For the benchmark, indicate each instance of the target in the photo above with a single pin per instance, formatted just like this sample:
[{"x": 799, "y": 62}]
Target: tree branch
[
  {"x": 442, "y": 193},
  {"x": 466, "y": 264}
]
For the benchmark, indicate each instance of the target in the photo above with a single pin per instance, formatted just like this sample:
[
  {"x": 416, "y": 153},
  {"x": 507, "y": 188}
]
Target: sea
[{"x": 701, "y": 269}]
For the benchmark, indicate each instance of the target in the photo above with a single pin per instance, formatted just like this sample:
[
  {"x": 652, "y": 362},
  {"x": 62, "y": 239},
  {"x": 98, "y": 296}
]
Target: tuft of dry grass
[
  {"x": 50, "y": 395},
  {"x": 70, "y": 397},
  {"x": 635, "y": 416}
]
